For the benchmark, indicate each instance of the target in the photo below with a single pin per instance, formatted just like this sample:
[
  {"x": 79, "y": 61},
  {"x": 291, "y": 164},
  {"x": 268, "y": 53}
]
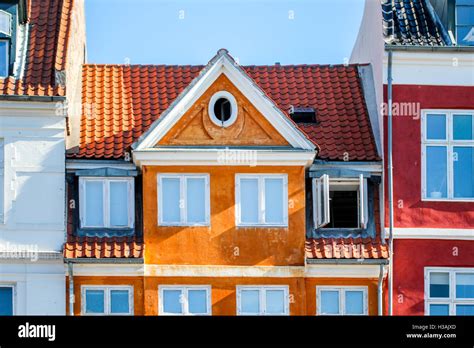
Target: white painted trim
[
  {"x": 107, "y": 270},
  {"x": 261, "y": 199},
  {"x": 183, "y": 179},
  {"x": 233, "y": 105},
  {"x": 107, "y": 299},
  {"x": 222, "y": 63},
  {"x": 432, "y": 233},
  {"x": 341, "y": 291},
  {"x": 196, "y": 157},
  {"x": 184, "y": 298},
  {"x": 32, "y": 109},
  {"x": 446, "y": 68},
  {"x": 262, "y": 289},
  {"x": 451, "y": 301},
  {"x": 449, "y": 143},
  {"x": 342, "y": 271},
  {"x": 106, "y": 200},
  {"x": 94, "y": 164},
  {"x": 309, "y": 271}
]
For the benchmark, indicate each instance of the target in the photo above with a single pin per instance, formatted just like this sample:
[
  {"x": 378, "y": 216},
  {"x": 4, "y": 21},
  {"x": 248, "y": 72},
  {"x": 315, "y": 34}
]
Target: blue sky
[{"x": 191, "y": 31}]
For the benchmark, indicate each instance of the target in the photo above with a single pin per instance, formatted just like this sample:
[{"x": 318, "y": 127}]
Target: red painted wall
[
  {"x": 409, "y": 210},
  {"x": 409, "y": 282}
]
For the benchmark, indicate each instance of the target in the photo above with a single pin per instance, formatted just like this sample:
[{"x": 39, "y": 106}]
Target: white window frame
[
  {"x": 233, "y": 104},
  {"x": 261, "y": 199},
  {"x": 107, "y": 298},
  {"x": 2, "y": 180},
  {"x": 449, "y": 143},
  {"x": 10, "y": 20},
  {"x": 452, "y": 301},
  {"x": 321, "y": 209},
  {"x": 13, "y": 287},
  {"x": 183, "y": 212},
  {"x": 184, "y": 299},
  {"x": 106, "y": 200},
  {"x": 342, "y": 298},
  {"x": 262, "y": 289}
]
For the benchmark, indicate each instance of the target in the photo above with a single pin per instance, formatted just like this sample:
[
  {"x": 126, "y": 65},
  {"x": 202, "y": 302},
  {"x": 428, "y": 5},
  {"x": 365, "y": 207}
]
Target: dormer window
[
  {"x": 465, "y": 22},
  {"x": 12, "y": 13}
]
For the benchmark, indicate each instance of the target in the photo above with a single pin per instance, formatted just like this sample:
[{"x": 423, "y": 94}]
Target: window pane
[
  {"x": 5, "y": 22},
  {"x": 3, "y": 58},
  {"x": 464, "y": 309},
  {"x": 436, "y": 127},
  {"x": 119, "y": 203},
  {"x": 94, "y": 301},
  {"x": 275, "y": 302},
  {"x": 465, "y": 36},
  {"x": 172, "y": 301},
  {"x": 197, "y": 301},
  {"x": 6, "y": 301},
  {"x": 354, "y": 302},
  {"x": 465, "y": 15},
  {"x": 436, "y": 172},
  {"x": 274, "y": 201},
  {"x": 119, "y": 301},
  {"x": 465, "y": 285},
  {"x": 94, "y": 203},
  {"x": 329, "y": 302},
  {"x": 439, "y": 309},
  {"x": 250, "y": 301},
  {"x": 463, "y": 158},
  {"x": 170, "y": 199},
  {"x": 462, "y": 127},
  {"x": 439, "y": 284},
  {"x": 196, "y": 200},
  {"x": 249, "y": 200}
]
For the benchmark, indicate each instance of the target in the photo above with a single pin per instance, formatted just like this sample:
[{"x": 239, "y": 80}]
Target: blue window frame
[
  {"x": 8, "y": 27},
  {"x": 465, "y": 22},
  {"x": 6, "y": 300}
]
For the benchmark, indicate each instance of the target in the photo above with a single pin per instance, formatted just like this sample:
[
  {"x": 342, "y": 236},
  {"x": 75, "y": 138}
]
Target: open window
[{"x": 340, "y": 202}]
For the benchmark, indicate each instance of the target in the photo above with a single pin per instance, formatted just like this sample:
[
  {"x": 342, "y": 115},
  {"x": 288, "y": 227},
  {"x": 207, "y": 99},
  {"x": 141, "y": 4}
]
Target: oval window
[{"x": 223, "y": 109}]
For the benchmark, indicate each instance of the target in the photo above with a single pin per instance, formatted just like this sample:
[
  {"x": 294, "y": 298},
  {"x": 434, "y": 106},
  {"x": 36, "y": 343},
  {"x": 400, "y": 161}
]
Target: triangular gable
[{"x": 223, "y": 63}]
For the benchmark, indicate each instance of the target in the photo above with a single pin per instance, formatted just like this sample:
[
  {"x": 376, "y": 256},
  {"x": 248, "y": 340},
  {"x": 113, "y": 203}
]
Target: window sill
[
  {"x": 240, "y": 226},
  {"x": 182, "y": 225},
  {"x": 448, "y": 200}
]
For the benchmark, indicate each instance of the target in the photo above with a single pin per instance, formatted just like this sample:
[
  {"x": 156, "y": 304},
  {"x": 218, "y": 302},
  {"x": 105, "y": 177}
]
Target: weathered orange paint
[
  {"x": 250, "y": 128},
  {"x": 224, "y": 291},
  {"x": 222, "y": 243},
  {"x": 79, "y": 281},
  {"x": 371, "y": 285},
  {"x": 302, "y": 291}
]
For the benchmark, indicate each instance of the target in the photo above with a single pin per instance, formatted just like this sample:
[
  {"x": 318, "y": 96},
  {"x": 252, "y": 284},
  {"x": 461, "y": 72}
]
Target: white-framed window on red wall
[
  {"x": 447, "y": 155},
  {"x": 449, "y": 291}
]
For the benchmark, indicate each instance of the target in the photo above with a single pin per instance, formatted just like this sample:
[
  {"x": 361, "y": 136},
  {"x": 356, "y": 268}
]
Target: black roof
[{"x": 412, "y": 23}]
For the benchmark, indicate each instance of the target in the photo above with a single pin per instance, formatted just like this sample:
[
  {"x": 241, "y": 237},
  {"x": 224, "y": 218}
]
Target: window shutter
[
  {"x": 321, "y": 201},
  {"x": 363, "y": 202}
]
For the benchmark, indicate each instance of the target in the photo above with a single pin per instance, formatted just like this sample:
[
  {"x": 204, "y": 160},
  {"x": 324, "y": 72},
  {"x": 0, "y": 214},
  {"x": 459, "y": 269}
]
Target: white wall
[
  {"x": 34, "y": 173},
  {"x": 34, "y": 205},
  {"x": 39, "y": 288},
  {"x": 436, "y": 68}
]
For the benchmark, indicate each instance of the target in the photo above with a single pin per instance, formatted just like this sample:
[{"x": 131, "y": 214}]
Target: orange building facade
[{"x": 226, "y": 195}]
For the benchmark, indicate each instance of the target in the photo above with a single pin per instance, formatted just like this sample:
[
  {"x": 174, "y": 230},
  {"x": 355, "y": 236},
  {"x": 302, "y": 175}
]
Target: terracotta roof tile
[
  {"x": 49, "y": 25},
  {"x": 120, "y": 102},
  {"x": 103, "y": 247},
  {"x": 345, "y": 248}
]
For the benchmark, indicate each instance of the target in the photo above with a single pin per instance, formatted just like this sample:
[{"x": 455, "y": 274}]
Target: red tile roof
[
  {"x": 110, "y": 247},
  {"x": 345, "y": 248},
  {"x": 120, "y": 102},
  {"x": 49, "y": 26}
]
